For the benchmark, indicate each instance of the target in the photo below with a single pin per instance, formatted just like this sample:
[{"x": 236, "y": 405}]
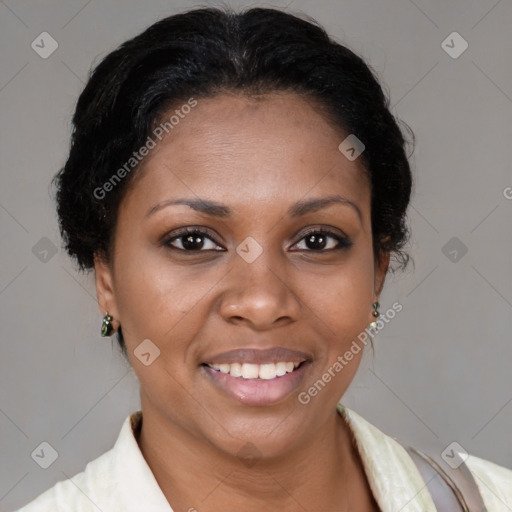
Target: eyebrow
[{"x": 215, "y": 209}]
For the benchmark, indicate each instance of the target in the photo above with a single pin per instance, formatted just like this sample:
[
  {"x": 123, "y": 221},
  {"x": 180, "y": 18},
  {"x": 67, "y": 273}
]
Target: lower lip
[{"x": 258, "y": 391}]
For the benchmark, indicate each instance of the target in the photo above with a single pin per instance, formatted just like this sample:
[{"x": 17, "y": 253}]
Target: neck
[{"x": 194, "y": 474}]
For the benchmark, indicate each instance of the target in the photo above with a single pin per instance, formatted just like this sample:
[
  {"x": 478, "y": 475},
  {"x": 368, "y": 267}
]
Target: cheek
[
  {"x": 344, "y": 299},
  {"x": 140, "y": 287},
  {"x": 343, "y": 308},
  {"x": 159, "y": 301}
]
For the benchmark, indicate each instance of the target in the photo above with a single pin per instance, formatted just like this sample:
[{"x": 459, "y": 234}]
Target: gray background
[{"x": 441, "y": 370}]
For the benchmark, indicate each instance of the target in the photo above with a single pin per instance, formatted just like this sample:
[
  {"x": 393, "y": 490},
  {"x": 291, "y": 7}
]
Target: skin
[{"x": 258, "y": 157}]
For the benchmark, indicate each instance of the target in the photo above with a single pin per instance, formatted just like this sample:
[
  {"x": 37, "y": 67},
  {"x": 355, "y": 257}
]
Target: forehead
[{"x": 270, "y": 147}]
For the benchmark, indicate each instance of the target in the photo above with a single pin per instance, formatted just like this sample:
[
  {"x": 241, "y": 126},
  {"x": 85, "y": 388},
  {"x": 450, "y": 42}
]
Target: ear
[
  {"x": 380, "y": 271},
  {"x": 105, "y": 289}
]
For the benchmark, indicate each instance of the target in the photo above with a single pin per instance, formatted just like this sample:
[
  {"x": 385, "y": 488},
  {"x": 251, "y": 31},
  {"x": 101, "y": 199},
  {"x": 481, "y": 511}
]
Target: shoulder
[
  {"x": 76, "y": 494},
  {"x": 94, "y": 488},
  {"x": 494, "y": 482},
  {"x": 392, "y": 472}
]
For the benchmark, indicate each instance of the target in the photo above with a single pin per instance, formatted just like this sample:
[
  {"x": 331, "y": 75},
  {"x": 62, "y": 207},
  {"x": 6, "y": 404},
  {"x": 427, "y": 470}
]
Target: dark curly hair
[{"x": 203, "y": 53}]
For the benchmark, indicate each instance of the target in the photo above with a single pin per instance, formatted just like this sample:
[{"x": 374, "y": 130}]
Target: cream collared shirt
[{"x": 120, "y": 480}]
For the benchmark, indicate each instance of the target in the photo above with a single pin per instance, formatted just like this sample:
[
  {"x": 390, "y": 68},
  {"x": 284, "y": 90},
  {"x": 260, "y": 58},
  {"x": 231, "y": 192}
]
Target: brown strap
[
  {"x": 443, "y": 496},
  {"x": 451, "y": 489}
]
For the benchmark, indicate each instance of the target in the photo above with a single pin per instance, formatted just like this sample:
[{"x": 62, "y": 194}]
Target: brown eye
[
  {"x": 193, "y": 240},
  {"x": 322, "y": 240}
]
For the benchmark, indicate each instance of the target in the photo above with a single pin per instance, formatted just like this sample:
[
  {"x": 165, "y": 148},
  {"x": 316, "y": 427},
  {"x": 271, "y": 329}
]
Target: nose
[{"x": 259, "y": 296}]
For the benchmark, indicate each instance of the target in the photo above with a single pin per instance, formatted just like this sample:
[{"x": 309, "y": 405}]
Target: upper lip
[{"x": 258, "y": 356}]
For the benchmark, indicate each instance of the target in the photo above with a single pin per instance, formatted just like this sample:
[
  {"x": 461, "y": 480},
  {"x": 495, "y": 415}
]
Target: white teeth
[
  {"x": 250, "y": 371},
  {"x": 236, "y": 370},
  {"x": 280, "y": 369},
  {"x": 265, "y": 371}
]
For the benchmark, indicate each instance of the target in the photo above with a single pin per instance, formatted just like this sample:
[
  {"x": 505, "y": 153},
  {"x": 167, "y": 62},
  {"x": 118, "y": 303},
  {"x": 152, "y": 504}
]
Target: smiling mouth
[
  {"x": 248, "y": 371},
  {"x": 258, "y": 384}
]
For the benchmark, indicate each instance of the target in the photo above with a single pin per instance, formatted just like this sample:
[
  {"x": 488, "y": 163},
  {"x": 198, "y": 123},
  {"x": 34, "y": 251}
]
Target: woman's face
[{"x": 276, "y": 266}]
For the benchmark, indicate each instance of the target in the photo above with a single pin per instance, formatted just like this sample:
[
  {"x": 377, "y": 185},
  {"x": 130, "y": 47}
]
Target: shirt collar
[
  {"x": 393, "y": 477},
  {"x": 138, "y": 488},
  {"x": 391, "y": 473}
]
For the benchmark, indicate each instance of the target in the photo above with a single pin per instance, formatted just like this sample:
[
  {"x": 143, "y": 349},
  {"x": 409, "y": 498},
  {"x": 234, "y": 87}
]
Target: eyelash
[{"x": 343, "y": 242}]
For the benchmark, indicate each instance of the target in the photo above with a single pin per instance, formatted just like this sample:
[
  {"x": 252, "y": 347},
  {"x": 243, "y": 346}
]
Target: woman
[{"x": 239, "y": 187}]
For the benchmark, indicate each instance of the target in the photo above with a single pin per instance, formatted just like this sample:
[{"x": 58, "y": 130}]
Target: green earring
[
  {"x": 375, "y": 313},
  {"x": 106, "y": 327}
]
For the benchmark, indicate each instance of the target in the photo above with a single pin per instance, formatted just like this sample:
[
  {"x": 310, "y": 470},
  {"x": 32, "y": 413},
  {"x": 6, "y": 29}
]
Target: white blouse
[{"x": 120, "y": 480}]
